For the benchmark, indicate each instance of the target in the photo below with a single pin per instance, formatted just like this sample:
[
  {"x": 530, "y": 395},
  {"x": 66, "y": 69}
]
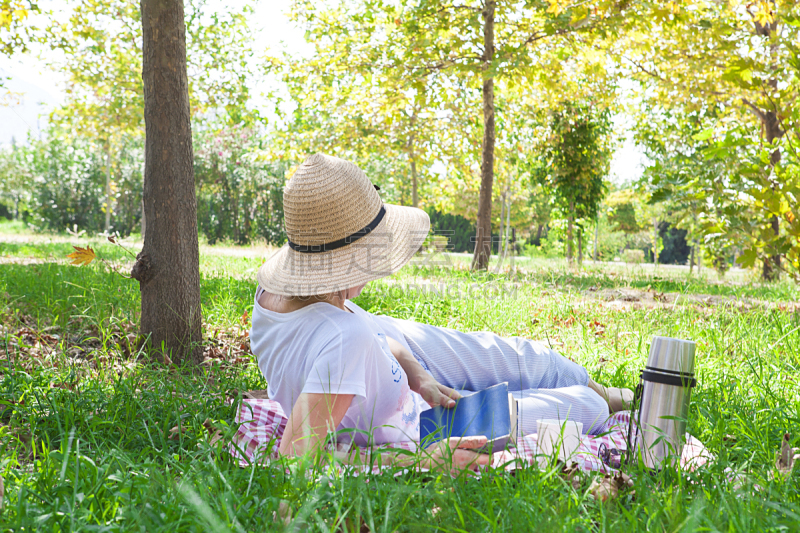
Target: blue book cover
[{"x": 487, "y": 412}]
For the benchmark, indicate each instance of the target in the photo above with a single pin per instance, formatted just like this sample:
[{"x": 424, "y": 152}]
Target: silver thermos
[{"x": 657, "y": 430}]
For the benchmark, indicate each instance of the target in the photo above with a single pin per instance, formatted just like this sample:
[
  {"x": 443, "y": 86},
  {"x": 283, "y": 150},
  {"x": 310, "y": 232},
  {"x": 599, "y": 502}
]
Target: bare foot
[{"x": 617, "y": 399}]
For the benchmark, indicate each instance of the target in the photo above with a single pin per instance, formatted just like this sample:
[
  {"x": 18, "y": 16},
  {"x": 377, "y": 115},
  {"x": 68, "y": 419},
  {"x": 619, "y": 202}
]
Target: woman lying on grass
[{"x": 333, "y": 366}]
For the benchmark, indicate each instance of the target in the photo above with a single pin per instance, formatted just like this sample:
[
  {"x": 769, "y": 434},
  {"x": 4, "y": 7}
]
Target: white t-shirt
[{"x": 322, "y": 349}]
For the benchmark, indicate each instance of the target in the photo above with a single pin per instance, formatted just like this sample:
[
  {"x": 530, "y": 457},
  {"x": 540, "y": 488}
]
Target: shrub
[
  {"x": 239, "y": 195},
  {"x": 69, "y": 186},
  {"x": 59, "y": 183},
  {"x": 633, "y": 256},
  {"x": 456, "y": 228}
]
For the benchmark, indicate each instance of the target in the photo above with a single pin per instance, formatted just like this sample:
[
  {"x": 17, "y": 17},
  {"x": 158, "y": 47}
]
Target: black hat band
[{"x": 319, "y": 248}]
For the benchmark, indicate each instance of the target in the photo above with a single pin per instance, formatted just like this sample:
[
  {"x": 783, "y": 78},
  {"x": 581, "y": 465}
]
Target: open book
[{"x": 491, "y": 412}]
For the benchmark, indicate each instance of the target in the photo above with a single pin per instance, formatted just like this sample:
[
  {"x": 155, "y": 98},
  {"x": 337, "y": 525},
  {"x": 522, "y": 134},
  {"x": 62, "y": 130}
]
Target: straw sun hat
[{"x": 340, "y": 232}]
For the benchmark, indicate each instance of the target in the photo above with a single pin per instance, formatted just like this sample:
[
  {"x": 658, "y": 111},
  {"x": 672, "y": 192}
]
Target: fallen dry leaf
[
  {"x": 65, "y": 386},
  {"x": 214, "y": 435},
  {"x": 610, "y": 485},
  {"x": 284, "y": 513},
  {"x": 261, "y": 394},
  {"x": 175, "y": 431},
  {"x": 349, "y": 526},
  {"x": 81, "y": 256},
  {"x": 572, "y": 474},
  {"x": 215, "y": 438},
  {"x": 787, "y": 457},
  {"x": 598, "y": 328}
]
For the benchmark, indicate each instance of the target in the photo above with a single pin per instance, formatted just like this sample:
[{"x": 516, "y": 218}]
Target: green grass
[
  {"x": 14, "y": 227},
  {"x": 85, "y": 433}
]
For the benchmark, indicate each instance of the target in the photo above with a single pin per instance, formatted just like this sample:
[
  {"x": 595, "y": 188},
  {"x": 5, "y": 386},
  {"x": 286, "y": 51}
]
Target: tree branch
[
  {"x": 756, "y": 111},
  {"x": 783, "y": 127},
  {"x": 660, "y": 78}
]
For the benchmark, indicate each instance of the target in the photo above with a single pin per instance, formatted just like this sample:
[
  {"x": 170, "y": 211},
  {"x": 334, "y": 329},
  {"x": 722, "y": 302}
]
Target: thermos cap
[{"x": 672, "y": 355}]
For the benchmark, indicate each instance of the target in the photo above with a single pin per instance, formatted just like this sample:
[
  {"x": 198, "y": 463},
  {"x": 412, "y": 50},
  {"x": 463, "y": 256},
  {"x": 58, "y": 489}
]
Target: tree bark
[
  {"x": 143, "y": 222},
  {"x": 414, "y": 190},
  {"x": 691, "y": 259},
  {"x": 144, "y": 219},
  {"x": 502, "y": 249},
  {"x": 771, "y": 126},
  {"x": 772, "y": 129},
  {"x": 513, "y": 250},
  {"x": 569, "y": 233},
  {"x": 594, "y": 256},
  {"x": 699, "y": 256},
  {"x": 508, "y": 222},
  {"x": 108, "y": 189},
  {"x": 412, "y": 160},
  {"x": 168, "y": 267},
  {"x": 502, "y": 220},
  {"x": 580, "y": 246},
  {"x": 483, "y": 237},
  {"x": 655, "y": 241}
]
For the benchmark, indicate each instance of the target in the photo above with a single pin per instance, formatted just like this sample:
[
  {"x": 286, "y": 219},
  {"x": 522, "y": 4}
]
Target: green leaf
[
  {"x": 703, "y": 135},
  {"x": 748, "y": 258}
]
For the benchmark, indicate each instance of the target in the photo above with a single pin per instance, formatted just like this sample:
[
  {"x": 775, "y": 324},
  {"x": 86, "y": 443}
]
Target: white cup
[{"x": 559, "y": 436}]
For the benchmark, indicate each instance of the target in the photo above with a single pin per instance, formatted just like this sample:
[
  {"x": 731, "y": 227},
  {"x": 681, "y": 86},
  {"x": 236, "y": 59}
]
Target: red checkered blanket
[{"x": 261, "y": 424}]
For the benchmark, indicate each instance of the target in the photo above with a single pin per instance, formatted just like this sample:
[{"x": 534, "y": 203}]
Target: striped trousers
[{"x": 547, "y": 384}]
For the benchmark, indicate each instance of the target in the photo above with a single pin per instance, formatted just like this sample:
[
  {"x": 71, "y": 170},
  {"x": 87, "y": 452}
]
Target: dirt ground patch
[{"x": 630, "y": 298}]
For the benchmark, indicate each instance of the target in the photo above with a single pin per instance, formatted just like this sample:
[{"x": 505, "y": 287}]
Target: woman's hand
[
  {"x": 420, "y": 381},
  {"x": 455, "y": 454},
  {"x": 435, "y": 393}
]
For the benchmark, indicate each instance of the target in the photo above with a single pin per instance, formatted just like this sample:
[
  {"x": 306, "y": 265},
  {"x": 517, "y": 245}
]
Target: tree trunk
[
  {"x": 144, "y": 219},
  {"x": 508, "y": 223},
  {"x": 412, "y": 161},
  {"x": 655, "y": 241},
  {"x": 699, "y": 256},
  {"x": 772, "y": 129},
  {"x": 539, "y": 234},
  {"x": 414, "y": 190},
  {"x": 483, "y": 237},
  {"x": 569, "y": 233},
  {"x": 108, "y": 189},
  {"x": 502, "y": 250},
  {"x": 168, "y": 267},
  {"x": 237, "y": 231},
  {"x": 594, "y": 256},
  {"x": 514, "y": 248},
  {"x": 580, "y": 246},
  {"x": 691, "y": 258},
  {"x": 502, "y": 215}
]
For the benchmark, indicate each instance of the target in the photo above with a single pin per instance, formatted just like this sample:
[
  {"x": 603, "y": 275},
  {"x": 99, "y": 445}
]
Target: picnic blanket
[{"x": 261, "y": 423}]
